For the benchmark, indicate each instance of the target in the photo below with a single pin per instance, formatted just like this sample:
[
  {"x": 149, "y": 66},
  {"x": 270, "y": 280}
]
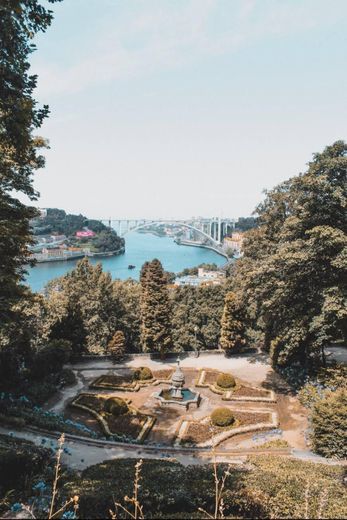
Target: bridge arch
[{"x": 172, "y": 223}]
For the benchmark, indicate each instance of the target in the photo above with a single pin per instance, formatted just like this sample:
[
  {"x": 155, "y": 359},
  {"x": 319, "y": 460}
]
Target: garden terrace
[
  {"x": 131, "y": 425},
  {"x": 129, "y": 382},
  {"x": 202, "y": 433},
  {"x": 164, "y": 422},
  {"x": 239, "y": 392}
]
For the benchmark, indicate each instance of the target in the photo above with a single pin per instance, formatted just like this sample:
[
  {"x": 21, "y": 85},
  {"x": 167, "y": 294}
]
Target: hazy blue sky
[{"x": 186, "y": 107}]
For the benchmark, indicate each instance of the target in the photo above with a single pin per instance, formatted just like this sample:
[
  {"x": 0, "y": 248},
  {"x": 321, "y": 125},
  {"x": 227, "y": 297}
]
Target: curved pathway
[{"x": 82, "y": 452}]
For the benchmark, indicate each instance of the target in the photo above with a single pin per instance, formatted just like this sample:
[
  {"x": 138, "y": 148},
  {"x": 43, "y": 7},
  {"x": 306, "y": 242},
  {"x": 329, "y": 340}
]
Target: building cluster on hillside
[
  {"x": 204, "y": 277},
  {"x": 55, "y": 246},
  {"x": 234, "y": 243}
]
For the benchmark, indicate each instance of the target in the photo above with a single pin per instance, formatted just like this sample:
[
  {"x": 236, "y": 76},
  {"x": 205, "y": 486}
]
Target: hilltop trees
[
  {"x": 155, "y": 309},
  {"x": 232, "y": 337},
  {"x": 292, "y": 278}
]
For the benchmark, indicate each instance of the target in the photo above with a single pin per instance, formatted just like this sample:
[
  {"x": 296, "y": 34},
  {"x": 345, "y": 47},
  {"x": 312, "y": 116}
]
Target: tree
[
  {"x": 329, "y": 424},
  {"x": 126, "y": 297},
  {"x": 232, "y": 337},
  {"x": 155, "y": 309},
  {"x": 116, "y": 346},
  {"x": 82, "y": 309},
  {"x": 292, "y": 278},
  {"x": 19, "y": 146},
  {"x": 196, "y": 316}
]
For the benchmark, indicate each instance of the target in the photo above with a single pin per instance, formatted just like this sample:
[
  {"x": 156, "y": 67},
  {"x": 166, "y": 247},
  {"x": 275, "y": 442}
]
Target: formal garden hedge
[
  {"x": 222, "y": 417},
  {"x": 117, "y": 418},
  {"x": 226, "y": 381},
  {"x": 143, "y": 374}
]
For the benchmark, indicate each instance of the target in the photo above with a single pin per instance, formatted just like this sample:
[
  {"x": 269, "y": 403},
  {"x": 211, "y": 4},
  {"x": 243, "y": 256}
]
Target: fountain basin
[{"x": 188, "y": 399}]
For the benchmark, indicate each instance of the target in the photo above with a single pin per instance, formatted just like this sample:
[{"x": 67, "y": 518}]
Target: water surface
[{"x": 139, "y": 248}]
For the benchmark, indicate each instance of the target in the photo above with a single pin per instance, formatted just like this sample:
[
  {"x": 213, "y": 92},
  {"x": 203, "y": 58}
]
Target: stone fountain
[{"x": 177, "y": 395}]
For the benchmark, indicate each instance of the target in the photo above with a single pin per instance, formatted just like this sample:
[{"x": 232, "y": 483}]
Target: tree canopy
[
  {"x": 20, "y": 156},
  {"x": 292, "y": 278},
  {"x": 155, "y": 309}
]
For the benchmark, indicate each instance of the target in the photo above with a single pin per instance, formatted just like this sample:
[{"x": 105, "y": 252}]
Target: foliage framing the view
[{"x": 292, "y": 278}]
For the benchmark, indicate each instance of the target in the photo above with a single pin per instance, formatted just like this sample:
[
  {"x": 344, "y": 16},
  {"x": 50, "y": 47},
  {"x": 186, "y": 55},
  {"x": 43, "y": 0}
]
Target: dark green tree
[
  {"x": 81, "y": 308},
  {"x": 155, "y": 309},
  {"x": 292, "y": 277},
  {"x": 126, "y": 297},
  {"x": 116, "y": 346},
  {"x": 20, "y": 117},
  {"x": 232, "y": 337},
  {"x": 196, "y": 316}
]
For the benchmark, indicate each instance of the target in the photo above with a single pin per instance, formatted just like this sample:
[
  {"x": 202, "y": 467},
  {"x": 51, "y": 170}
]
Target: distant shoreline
[
  {"x": 204, "y": 246},
  {"x": 66, "y": 258}
]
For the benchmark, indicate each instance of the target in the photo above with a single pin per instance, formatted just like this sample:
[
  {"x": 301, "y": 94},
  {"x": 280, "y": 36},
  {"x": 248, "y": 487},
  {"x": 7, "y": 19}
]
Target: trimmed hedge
[
  {"x": 222, "y": 417},
  {"x": 226, "y": 381},
  {"x": 116, "y": 406},
  {"x": 143, "y": 374}
]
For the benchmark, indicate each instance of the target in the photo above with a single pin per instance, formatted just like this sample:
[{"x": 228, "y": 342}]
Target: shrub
[
  {"x": 20, "y": 463},
  {"x": 222, "y": 417},
  {"x": 226, "y": 381},
  {"x": 329, "y": 424},
  {"x": 116, "y": 406},
  {"x": 17, "y": 422},
  {"x": 143, "y": 374},
  {"x": 68, "y": 377},
  {"x": 51, "y": 358}
]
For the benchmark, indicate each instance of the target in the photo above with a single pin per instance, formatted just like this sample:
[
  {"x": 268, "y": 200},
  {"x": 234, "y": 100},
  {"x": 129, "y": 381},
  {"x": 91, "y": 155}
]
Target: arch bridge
[{"x": 213, "y": 229}]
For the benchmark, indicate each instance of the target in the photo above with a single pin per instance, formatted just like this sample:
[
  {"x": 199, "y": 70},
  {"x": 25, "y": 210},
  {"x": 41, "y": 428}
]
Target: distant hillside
[{"x": 56, "y": 222}]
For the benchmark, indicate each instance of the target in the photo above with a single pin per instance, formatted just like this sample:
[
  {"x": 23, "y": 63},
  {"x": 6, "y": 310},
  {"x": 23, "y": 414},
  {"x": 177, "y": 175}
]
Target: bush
[
  {"x": 68, "y": 377},
  {"x": 116, "y": 406},
  {"x": 51, "y": 358},
  {"x": 226, "y": 381},
  {"x": 143, "y": 374},
  {"x": 11, "y": 420},
  {"x": 272, "y": 487},
  {"x": 329, "y": 424},
  {"x": 222, "y": 417},
  {"x": 20, "y": 463}
]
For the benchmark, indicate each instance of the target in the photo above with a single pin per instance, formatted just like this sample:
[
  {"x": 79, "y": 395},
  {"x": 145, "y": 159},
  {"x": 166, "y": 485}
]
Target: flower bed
[
  {"x": 129, "y": 382},
  {"x": 202, "y": 431},
  {"x": 20, "y": 412},
  {"x": 130, "y": 426},
  {"x": 208, "y": 379}
]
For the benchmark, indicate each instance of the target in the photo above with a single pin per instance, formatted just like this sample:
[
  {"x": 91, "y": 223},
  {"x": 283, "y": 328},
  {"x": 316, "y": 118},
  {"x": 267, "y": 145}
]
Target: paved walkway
[
  {"x": 254, "y": 369},
  {"x": 80, "y": 454}
]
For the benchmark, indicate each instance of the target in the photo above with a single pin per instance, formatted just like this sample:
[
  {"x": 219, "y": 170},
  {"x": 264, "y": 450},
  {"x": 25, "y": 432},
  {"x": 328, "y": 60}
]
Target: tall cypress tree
[
  {"x": 155, "y": 309},
  {"x": 232, "y": 337}
]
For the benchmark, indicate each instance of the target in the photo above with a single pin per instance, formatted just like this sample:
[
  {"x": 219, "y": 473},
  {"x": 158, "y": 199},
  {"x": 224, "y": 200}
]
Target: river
[{"x": 139, "y": 247}]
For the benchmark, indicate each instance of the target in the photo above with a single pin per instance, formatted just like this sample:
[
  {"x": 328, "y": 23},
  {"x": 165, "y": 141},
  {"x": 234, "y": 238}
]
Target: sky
[{"x": 181, "y": 108}]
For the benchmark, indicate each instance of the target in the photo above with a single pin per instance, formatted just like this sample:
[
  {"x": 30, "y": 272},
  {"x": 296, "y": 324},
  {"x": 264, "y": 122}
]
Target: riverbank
[{"x": 191, "y": 243}]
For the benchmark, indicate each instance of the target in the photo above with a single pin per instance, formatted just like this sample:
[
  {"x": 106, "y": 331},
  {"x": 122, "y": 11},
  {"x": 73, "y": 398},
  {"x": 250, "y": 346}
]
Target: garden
[{"x": 120, "y": 404}]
